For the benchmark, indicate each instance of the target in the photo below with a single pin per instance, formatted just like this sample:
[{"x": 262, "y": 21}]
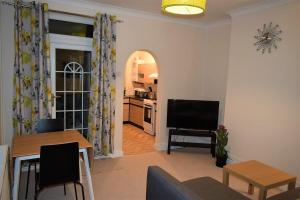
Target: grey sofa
[{"x": 163, "y": 186}]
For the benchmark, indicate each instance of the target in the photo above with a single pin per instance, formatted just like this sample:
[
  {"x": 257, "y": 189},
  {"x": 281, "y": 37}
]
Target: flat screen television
[{"x": 193, "y": 114}]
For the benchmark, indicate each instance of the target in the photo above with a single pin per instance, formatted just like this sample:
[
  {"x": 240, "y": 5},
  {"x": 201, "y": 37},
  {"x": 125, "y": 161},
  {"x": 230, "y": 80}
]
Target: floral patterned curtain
[
  {"x": 103, "y": 89},
  {"x": 32, "y": 81}
]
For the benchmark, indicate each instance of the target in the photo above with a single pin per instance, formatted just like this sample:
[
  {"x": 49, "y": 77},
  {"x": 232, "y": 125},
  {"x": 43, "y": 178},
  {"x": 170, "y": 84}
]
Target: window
[
  {"x": 70, "y": 28},
  {"x": 71, "y": 47}
]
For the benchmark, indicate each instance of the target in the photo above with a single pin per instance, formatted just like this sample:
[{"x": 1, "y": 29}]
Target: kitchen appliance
[
  {"x": 141, "y": 93},
  {"x": 149, "y": 116}
]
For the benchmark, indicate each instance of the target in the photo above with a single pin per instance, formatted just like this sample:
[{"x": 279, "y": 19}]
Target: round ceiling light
[{"x": 183, "y": 7}]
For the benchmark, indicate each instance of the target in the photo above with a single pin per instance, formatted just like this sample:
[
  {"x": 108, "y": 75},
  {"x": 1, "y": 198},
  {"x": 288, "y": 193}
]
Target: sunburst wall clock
[{"x": 267, "y": 38}]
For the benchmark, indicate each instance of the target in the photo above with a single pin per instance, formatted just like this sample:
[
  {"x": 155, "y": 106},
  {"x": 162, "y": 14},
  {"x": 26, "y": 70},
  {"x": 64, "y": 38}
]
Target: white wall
[
  {"x": 263, "y": 95},
  {"x": 213, "y": 74}
]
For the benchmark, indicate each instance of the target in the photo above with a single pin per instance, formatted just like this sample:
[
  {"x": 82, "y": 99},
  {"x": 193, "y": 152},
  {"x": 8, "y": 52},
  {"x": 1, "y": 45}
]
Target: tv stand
[{"x": 193, "y": 133}]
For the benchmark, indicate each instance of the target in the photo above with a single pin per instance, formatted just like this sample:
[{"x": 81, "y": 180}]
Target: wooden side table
[{"x": 259, "y": 175}]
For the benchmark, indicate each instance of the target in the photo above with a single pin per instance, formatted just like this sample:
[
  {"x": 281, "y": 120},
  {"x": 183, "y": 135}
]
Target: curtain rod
[{"x": 81, "y": 15}]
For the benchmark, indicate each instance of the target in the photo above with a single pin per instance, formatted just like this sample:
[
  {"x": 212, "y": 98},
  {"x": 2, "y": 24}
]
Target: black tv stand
[{"x": 194, "y": 133}]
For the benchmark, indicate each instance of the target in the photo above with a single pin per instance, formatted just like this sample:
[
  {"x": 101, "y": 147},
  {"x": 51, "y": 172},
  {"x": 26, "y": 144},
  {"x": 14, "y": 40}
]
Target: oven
[{"x": 149, "y": 117}]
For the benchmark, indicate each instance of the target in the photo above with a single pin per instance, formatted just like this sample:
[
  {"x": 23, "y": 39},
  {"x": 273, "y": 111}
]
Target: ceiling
[{"x": 216, "y": 9}]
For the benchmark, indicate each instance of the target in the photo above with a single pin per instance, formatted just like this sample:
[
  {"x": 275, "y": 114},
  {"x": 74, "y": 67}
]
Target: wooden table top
[
  {"x": 26, "y": 145},
  {"x": 259, "y": 173}
]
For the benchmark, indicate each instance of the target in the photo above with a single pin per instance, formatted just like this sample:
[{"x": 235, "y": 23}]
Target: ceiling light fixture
[{"x": 183, "y": 7}]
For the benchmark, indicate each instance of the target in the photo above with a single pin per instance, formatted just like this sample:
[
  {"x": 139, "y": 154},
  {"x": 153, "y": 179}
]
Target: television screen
[{"x": 193, "y": 114}]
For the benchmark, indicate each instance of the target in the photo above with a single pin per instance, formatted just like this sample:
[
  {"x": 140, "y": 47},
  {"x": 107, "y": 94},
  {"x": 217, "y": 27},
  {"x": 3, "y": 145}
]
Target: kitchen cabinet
[
  {"x": 136, "y": 114},
  {"x": 133, "y": 111},
  {"x": 126, "y": 112}
]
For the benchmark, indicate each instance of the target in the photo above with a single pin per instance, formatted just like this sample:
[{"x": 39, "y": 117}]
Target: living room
[{"x": 212, "y": 57}]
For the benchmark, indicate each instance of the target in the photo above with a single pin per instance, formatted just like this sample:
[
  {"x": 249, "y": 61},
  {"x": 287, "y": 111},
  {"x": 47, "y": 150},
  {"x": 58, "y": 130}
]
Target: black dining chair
[
  {"x": 59, "y": 164},
  {"x": 43, "y": 126}
]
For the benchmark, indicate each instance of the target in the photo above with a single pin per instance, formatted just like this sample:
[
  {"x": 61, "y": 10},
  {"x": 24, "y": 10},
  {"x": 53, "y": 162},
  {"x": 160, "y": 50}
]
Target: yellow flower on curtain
[
  {"x": 33, "y": 22},
  {"x": 32, "y": 80},
  {"x": 46, "y": 48},
  {"x": 25, "y": 12},
  {"x": 26, "y": 57},
  {"x": 113, "y": 90},
  {"x": 113, "y": 53},
  {"x": 102, "y": 96},
  {"x": 27, "y": 81},
  {"x": 25, "y": 37},
  {"x": 26, "y": 101}
]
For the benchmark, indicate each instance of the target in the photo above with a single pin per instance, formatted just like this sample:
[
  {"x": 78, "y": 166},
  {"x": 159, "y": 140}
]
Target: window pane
[
  {"x": 69, "y": 82},
  {"x": 78, "y": 118},
  {"x": 86, "y": 100},
  {"x": 78, "y": 101},
  {"x": 69, "y": 101},
  {"x": 69, "y": 120},
  {"x": 65, "y": 56},
  {"x": 85, "y": 119},
  {"x": 59, "y": 101},
  {"x": 70, "y": 28},
  {"x": 59, "y": 81},
  {"x": 86, "y": 82},
  {"x": 78, "y": 82}
]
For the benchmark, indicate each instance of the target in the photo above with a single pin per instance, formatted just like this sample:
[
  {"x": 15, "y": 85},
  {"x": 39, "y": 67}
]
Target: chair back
[
  {"x": 59, "y": 164},
  {"x": 50, "y": 125}
]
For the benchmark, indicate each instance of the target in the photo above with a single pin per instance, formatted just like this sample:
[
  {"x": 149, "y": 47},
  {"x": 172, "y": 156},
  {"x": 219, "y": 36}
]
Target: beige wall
[
  {"x": 263, "y": 95},
  {"x": 213, "y": 74},
  {"x": 175, "y": 47}
]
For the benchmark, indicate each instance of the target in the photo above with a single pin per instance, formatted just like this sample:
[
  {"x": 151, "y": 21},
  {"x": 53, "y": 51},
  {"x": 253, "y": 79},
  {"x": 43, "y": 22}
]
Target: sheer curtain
[
  {"x": 32, "y": 82},
  {"x": 103, "y": 89}
]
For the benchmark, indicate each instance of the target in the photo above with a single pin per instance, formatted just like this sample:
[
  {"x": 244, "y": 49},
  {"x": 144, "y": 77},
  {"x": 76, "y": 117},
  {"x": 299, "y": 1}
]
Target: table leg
[
  {"x": 250, "y": 189},
  {"x": 80, "y": 170},
  {"x": 262, "y": 194},
  {"x": 292, "y": 185},
  {"x": 17, "y": 169},
  {"x": 88, "y": 174},
  {"x": 225, "y": 177}
]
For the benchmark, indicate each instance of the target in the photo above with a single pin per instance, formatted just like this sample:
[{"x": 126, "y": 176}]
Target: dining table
[{"x": 27, "y": 147}]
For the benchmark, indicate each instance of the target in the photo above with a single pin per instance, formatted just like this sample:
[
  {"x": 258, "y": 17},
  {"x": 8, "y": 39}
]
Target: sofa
[{"x": 163, "y": 186}]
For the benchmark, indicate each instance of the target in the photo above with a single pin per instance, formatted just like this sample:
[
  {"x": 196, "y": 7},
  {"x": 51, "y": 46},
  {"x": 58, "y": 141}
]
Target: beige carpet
[
  {"x": 125, "y": 178},
  {"x": 136, "y": 141}
]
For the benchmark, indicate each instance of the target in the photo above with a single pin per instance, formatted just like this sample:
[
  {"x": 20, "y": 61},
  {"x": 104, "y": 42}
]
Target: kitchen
[{"x": 139, "y": 105}]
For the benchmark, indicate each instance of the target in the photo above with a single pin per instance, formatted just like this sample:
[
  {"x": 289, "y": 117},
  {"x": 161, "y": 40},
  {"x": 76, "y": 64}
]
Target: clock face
[{"x": 267, "y": 38}]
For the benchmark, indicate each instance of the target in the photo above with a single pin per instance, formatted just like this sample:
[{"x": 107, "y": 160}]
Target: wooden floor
[{"x": 136, "y": 141}]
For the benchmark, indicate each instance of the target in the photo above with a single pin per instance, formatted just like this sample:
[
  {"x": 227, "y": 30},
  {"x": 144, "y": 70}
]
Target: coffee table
[{"x": 259, "y": 175}]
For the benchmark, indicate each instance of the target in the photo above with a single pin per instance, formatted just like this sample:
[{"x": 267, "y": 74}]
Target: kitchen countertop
[{"x": 137, "y": 98}]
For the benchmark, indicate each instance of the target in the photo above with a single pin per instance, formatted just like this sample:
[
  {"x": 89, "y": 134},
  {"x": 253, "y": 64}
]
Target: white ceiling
[{"x": 216, "y": 9}]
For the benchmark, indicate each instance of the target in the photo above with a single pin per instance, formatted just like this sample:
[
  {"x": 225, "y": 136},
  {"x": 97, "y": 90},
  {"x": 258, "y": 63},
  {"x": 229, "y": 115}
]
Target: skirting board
[
  {"x": 161, "y": 146},
  {"x": 116, "y": 154}
]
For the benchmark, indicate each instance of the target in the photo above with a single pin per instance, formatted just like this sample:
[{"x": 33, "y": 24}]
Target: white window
[{"x": 70, "y": 73}]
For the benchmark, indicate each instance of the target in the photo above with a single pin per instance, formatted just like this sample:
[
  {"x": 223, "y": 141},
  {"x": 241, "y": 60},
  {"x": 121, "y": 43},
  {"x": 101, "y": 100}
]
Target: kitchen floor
[{"x": 136, "y": 141}]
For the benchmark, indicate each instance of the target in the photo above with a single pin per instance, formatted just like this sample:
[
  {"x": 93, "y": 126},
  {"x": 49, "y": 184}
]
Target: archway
[{"x": 140, "y": 103}]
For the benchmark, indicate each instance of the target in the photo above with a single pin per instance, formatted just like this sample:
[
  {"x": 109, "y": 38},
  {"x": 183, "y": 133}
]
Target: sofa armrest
[{"x": 163, "y": 186}]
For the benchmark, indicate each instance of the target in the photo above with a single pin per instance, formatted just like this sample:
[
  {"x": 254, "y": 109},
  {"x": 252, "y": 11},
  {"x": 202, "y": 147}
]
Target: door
[{"x": 70, "y": 73}]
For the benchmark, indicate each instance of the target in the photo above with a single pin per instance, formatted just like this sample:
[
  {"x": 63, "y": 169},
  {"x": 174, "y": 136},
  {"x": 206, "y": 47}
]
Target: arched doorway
[{"x": 140, "y": 103}]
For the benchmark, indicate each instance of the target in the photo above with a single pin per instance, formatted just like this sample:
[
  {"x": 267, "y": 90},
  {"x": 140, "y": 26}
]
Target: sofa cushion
[
  {"x": 163, "y": 186},
  {"x": 210, "y": 189},
  {"x": 289, "y": 195}
]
